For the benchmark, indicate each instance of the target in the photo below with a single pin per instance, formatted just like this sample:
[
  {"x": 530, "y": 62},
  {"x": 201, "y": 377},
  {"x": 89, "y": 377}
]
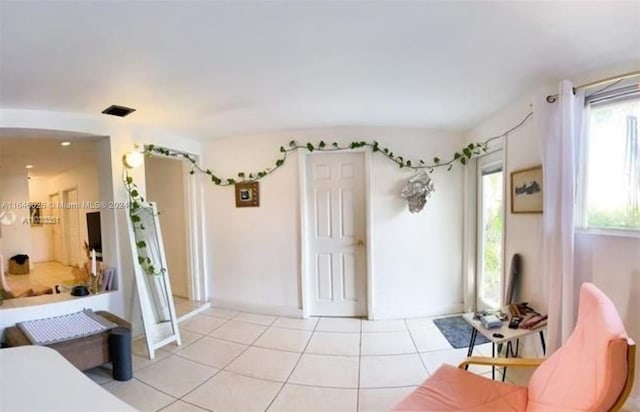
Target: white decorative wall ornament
[{"x": 417, "y": 191}]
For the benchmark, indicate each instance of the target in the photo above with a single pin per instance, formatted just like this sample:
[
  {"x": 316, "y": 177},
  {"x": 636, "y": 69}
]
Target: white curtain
[{"x": 559, "y": 128}]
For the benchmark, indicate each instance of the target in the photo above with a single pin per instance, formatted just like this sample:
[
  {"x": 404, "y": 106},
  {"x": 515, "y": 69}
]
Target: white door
[
  {"x": 55, "y": 244},
  {"x": 71, "y": 224},
  {"x": 336, "y": 222}
]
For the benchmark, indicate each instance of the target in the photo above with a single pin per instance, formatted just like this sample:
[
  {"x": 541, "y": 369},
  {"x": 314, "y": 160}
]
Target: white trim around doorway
[{"x": 304, "y": 231}]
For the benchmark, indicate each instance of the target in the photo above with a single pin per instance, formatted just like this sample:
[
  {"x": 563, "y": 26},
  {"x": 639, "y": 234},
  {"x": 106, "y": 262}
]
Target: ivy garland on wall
[
  {"x": 136, "y": 201},
  {"x": 462, "y": 156}
]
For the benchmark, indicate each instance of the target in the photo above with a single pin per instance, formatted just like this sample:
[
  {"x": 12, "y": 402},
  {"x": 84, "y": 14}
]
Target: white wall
[
  {"x": 123, "y": 135},
  {"x": 165, "y": 186},
  {"x": 523, "y": 232},
  {"x": 611, "y": 263},
  {"x": 16, "y": 237},
  {"x": 85, "y": 179},
  {"x": 254, "y": 253},
  {"x": 39, "y": 234}
]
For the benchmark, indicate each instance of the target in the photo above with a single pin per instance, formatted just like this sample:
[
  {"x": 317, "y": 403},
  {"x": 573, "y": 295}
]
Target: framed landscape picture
[
  {"x": 527, "y": 190},
  {"x": 247, "y": 194}
]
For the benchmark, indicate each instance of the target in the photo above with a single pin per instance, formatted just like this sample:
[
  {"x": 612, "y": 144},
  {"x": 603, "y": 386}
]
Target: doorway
[
  {"x": 490, "y": 231},
  {"x": 55, "y": 234},
  {"x": 167, "y": 184},
  {"x": 71, "y": 228},
  {"x": 335, "y": 222}
]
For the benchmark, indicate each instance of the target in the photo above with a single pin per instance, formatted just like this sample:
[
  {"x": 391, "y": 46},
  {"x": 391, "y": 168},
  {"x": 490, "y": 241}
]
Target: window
[{"x": 612, "y": 167}]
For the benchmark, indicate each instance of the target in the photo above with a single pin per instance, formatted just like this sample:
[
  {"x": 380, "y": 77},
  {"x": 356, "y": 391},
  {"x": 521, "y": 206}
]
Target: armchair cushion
[
  {"x": 589, "y": 371},
  {"x": 454, "y": 389}
]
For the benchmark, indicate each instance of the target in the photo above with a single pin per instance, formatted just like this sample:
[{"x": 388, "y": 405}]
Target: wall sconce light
[{"x": 133, "y": 159}]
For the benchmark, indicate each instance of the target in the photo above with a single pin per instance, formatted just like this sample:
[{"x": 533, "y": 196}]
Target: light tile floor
[
  {"x": 43, "y": 275},
  {"x": 232, "y": 361}
]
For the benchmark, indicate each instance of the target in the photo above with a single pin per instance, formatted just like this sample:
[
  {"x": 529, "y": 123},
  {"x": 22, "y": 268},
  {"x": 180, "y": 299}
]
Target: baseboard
[
  {"x": 194, "y": 312},
  {"x": 447, "y": 309},
  {"x": 287, "y": 311}
]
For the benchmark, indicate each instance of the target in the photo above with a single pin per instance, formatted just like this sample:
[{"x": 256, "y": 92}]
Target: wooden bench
[{"x": 83, "y": 353}]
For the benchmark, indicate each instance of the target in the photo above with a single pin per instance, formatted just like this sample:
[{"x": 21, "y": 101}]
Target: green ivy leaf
[
  {"x": 282, "y": 149},
  {"x": 135, "y": 218},
  {"x": 467, "y": 152},
  {"x": 141, "y": 244},
  {"x": 309, "y": 147},
  {"x": 385, "y": 150},
  {"x": 334, "y": 144},
  {"x": 279, "y": 162},
  {"x": 129, "y": 180},
  {"x": 292, "y": 143},
  {"x": 463, "y": 160},
  {"x": 231, "y": 181},
  {"x": 141, "y": 260},
  {"x": 191, "y": 172},
  {"x": 134, "y": 193},
  {"x": 241, "y": 175},
  {"x": 408, "y": 163},
  {"x": 436, "y": 160},
  {"x": 456, "y": 156},
  {"x": 322, "y": 144}
]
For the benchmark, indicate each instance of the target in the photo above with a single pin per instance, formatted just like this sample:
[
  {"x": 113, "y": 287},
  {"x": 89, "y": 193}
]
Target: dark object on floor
[
  {"x": 83, "y": 353},
  {"x": 20, "y": 259},
  {"x": 19, "y": 265},
  {"x": 458, "y": 331},
  {"x": 79, "y": 290},
  {"x": 120, "y": 353}
]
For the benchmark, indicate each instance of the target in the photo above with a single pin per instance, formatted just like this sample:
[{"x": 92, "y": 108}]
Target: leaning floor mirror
[{"x": 152, "y": 279}]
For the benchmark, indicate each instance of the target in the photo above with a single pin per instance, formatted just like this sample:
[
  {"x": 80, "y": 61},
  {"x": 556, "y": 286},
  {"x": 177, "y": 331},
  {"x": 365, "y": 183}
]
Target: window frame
[{"x": 629, "y": 92}]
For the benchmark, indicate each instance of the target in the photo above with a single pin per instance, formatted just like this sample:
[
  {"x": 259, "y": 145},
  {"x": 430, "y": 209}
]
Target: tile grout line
[
  {"x": 180, "y": 348},
  {"x": 294, "y": 367},
  {"x": 232, "y": 360},
  {"x": 415, "y": 345}
]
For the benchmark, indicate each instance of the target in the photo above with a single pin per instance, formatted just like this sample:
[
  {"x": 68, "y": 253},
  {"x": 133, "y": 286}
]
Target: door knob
[{"x": 358, "y": 243}]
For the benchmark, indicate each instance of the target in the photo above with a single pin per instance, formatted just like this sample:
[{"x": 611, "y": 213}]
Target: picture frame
[
  {"x": 35, "y": 215},
  {"x": 527, "y": 190},
  {"x": 247, "y": 194}
]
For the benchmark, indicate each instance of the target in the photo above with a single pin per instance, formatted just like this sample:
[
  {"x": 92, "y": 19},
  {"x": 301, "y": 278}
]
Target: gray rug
[{"x": 458, "y": 332}]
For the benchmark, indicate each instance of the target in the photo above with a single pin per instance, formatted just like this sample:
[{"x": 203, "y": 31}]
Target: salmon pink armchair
[{"x": 592, "y": 371}]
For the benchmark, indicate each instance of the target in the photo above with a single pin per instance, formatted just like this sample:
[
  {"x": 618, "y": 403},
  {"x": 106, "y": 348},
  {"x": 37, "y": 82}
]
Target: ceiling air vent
[{"x": 119, "y": 111}]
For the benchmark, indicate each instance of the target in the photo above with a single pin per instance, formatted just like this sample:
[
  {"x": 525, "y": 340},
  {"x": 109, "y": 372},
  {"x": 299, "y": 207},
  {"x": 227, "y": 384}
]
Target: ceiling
[
  {"x": 212, "y": 68},
  {"x": 42, "y": 150}
]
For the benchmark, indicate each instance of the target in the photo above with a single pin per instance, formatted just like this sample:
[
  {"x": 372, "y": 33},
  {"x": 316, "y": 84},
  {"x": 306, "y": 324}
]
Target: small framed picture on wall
[
  {"x": 247, "y": 194},
  {"x": 527, "y": 190}
]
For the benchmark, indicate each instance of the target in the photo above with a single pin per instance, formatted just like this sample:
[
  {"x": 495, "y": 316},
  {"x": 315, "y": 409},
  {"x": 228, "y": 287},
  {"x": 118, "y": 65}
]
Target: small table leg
[
  {"x": 472, "y": 343},
  {"x": 544, "y": 346},
  {"x": 493, "y": 355}
]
